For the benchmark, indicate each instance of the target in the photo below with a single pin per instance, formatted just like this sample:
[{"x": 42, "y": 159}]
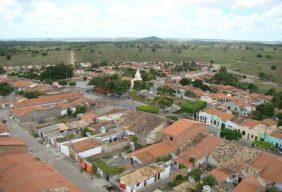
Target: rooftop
[
  {"x": 224, "y": 116},
  {"x": 141, "y": 174},
  {"x": 3, "y": 128},
  {"x": 139, "y": 122},
  {"x": 4, "y": 141},
  {"x": 277, "y": 134},
  {"x": 220, "y": 174},
  {"x": 21, "y": 172},
  {"x": 270, "y": 167},
  {"x": 250, "y": 184},
  {"x": 154, "y": 151},
  {"x": 84, "y": 145},
  {"x": 182, "y": 125}
]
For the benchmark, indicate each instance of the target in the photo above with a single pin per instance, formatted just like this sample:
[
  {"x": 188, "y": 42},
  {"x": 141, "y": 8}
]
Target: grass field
[{"x": 233, "y": 55}]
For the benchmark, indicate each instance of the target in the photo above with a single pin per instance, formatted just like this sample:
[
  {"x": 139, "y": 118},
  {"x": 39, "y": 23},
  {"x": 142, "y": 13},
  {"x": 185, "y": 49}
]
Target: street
[{"x": 55, "y": 158}]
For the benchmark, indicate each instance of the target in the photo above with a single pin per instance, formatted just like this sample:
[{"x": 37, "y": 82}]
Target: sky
[{"x": 258, "y": 20}]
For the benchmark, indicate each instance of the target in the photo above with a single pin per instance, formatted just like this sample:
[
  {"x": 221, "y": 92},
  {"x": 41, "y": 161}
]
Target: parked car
[{"x": 40, "y": 120}]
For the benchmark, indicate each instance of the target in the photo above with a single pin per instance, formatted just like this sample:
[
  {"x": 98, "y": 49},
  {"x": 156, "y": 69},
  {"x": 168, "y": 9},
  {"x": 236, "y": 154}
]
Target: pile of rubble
[{"x": 236, "y": 158}]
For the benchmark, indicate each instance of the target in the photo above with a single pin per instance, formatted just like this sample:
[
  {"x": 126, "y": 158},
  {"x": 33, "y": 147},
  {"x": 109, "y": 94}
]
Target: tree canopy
[
  {"x": 57, "y": 72},
  {"x": 264, "y": 111},
  {"x": 5, "y": 89}
]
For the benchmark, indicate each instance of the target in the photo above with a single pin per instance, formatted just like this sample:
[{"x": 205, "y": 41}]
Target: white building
[{"x": 143, "y": 177}]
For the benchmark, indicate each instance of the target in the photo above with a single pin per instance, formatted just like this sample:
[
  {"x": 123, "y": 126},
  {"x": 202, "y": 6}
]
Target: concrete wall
[
  {"x": 90, "y": 152},
  {"x": 35, "y": 115},
  {"x": 115, "y": 146}
]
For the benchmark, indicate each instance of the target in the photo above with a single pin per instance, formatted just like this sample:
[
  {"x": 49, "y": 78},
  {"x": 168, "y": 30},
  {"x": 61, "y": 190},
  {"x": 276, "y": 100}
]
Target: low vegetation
[
  {"x": 149, "y": 109},
  {"x": 192, "y": 107},
  {"x": 230, "y": 134}
]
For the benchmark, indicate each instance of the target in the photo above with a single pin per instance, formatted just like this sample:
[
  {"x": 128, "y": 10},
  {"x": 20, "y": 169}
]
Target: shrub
[
  {"x": 273, "y": 67},
  {"x": 210, "y": 181},
  {"x": 172, "y": 117},
  {"x": 72, "y": 83},
  {"x": 148, "y": 108},
  {"x": 193, "y": 106},
  {"x": 5, "y": 89},
  {"x": 196, "y": 174},
  {"x": 164, "y": 101},
  {"x": 230, "y": 134},
  {"x": 263, "y": 145}
]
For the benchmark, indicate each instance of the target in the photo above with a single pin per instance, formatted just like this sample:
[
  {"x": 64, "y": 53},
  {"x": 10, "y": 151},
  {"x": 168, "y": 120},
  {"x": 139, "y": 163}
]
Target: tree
[
  {"x": 185, "y": 81},
  {"x": 165, "y": 90},
  {"x": 8, "y": 57},
  {"x": 69, "y": 112},
  {"x": 277, "y": 100},
  {"x": 264, "y": 111},
  {"x": 84, "y": 131},
  {"x": 2, "y": 71},
  {"x": 273, "y": 67},
  {"x": 259, "y": 55},
  {"x": 210, "y": 181},
  {"x": 5, "y": 89},
  {"x": 264, "y": 145},
  {"x": 270, "y": 91},
  {"x": 164, "y": 101},
  {"x": 192, "y": 107},
  {"x": 30, "y": 94},
  {"x": 190, "y": 94},
  {"x": 62, "y": 82},
  {"x": 230, "y": 134},
  {"x": 196, "y": 174},
  {"x": 279, "y": 117},
  {"x": 57, "y": 72},
  {"x": 72, "y": 83}
]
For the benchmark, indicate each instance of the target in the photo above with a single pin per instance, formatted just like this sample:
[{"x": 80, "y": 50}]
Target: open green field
[{"x": 241, "y": 57}]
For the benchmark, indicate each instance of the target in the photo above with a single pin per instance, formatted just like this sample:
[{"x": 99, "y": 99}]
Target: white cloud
[{"x": 166, "y": 18}]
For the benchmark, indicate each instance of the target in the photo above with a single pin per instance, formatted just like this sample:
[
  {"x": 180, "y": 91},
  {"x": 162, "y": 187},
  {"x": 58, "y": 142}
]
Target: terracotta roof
[
  {"x": 182, "y": 125},
  {"x": 4, "y": 141},
  {"x": 48, "y": 99},
  {"x": 21, "y": 83},
  {"x": 140, "y": 123},
  {"x": 250, "y": 123},
  {"x": 277, "y": 134},
  {"x": 154, "y": 151},
  {"x": 224, "y": 116},
  {"x": 89, "y": 116},
  {"x": 270, "y": 167},
  {"x": 3, "y": 128},
  {"x": 204, "y": 147},
  {"x": 84, "y": 145},
  {"x": 74, "y": 103},
  {"x": 22, "y": 172},
  {"x": 141, "y": 174},
  {"x": 250, "y": 184},
  {"x": 220, "y": 174},
  {"x": 26, "y": 110},
  {"x": 269, "y": 122}
]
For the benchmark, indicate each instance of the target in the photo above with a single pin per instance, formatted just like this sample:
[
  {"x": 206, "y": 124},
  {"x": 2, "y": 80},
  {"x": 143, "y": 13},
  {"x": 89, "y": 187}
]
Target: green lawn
[{"x": 232, "y": 55}]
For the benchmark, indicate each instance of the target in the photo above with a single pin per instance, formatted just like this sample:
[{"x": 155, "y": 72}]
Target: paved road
[{"x": 56, "y": 159}]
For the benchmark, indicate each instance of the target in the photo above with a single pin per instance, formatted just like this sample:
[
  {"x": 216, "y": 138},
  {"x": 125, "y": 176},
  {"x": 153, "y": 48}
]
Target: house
[
  {"x": 214, "y": 117},
  {"x": 4, "y": 131},
  {"x": 193, "y": 156},
  {"x": 12, "y": 145},
  {"x": 274, "y": 137},
  {"x": 183, "y": 131},
  {"x": 253, "y": 129},
  {"x": 72, "y": 105},
  {"x": 90, "y": 117},
  {"x": 222, "y": 175},
  {"x": 150, "y": 153},
  {"x": 145, "y": 126},
  {"x": 21, "y": 85},
  {"x": 270, "y": 167},
  {"x": 52, "y": 132},
  {"x": 8, "y": 102},
  {"x": 84, "y": 148},
  {"x": 250, "y": 184},
  {"x": 34, "y": 113},
  {"x": 143, "y": 177},
  {"x": 49, "y": 100},
  {"x": 23, "y": 172}
]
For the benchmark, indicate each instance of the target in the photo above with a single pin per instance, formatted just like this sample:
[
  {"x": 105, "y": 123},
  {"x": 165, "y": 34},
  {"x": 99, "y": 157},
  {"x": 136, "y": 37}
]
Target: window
[
  {"x": 252, "y": 136},
  {"x": 137, "y": 184},
  {"x": 243, "y": 132},
  {"x": 171, "y": 138}
]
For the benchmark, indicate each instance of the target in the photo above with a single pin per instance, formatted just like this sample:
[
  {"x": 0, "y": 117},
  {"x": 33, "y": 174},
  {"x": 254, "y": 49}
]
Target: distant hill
[{"x": 152, "y": 39}]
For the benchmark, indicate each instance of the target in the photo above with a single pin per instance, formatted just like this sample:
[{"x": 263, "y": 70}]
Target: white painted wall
[
  {"x": 90, "y": 152},
  {"x": 64, "y": 149}
]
